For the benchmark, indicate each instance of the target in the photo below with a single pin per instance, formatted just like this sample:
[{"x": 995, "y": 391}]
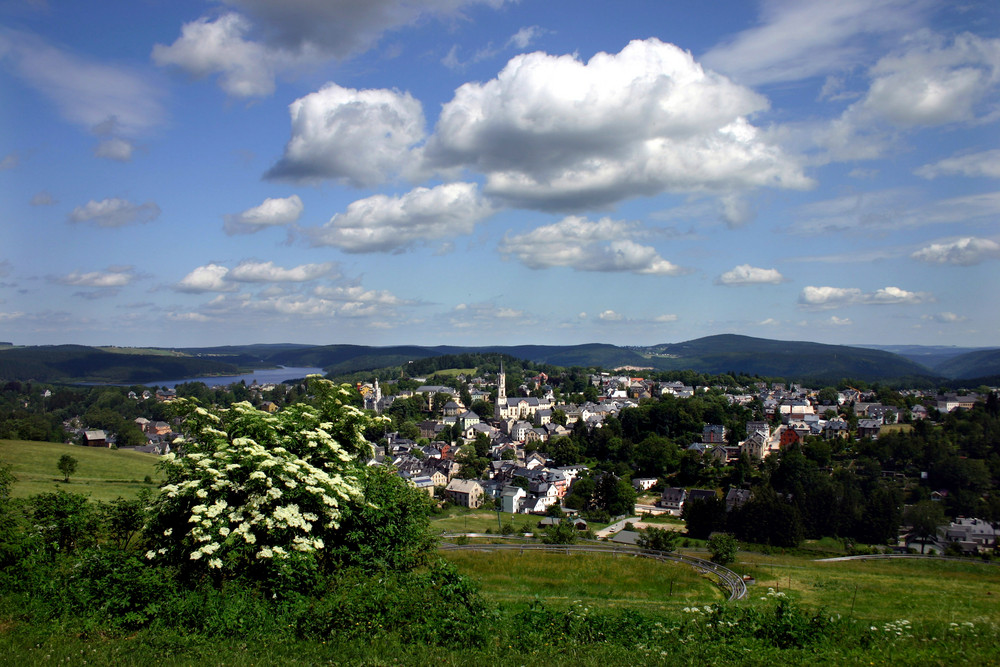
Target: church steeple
[{"x": 501, "y": 404}]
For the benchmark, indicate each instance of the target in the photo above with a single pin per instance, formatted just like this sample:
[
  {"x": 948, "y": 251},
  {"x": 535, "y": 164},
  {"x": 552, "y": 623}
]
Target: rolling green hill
[
  {"x": 101, "y": 473},
  {"x": 789, "y": 359},
  {"x": 79, "y": 363},
  {"x": 794, "y": 360},
  {"x": 978, "y": 364}
]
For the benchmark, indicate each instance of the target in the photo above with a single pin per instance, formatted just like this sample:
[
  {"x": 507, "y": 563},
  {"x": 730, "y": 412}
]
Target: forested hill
[
  {"x": 978, "y": 364},
  {"x": 79, "y": 363},
  {"x": 789, "y": 359},
  {"x": 792, "y": 360}
]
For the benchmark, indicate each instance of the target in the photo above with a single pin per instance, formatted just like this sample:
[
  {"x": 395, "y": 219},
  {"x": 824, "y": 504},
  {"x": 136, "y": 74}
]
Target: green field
[
  {"x": 103, "y": 474},
  {"x": 594, "y": 580},
  {"x": 918, "y": 590},
  {"x": 452, "y": 372},
  {"x": 921, "y": 591}
]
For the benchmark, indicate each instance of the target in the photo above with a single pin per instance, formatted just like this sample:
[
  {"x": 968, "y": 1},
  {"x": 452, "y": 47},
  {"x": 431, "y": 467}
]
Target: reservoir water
[{"x": 263, "y": 376}]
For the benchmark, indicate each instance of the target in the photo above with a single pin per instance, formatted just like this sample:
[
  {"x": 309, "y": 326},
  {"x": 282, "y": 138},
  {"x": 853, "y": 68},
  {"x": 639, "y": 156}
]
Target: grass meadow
[
  {"x": 101, "y": 473},
  {"x": 593, "y": 580},
  {"x": 918, "y": 590}
]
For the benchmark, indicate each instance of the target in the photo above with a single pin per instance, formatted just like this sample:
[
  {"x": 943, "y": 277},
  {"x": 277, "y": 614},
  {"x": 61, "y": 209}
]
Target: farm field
[{"x": 102, "y": 474}]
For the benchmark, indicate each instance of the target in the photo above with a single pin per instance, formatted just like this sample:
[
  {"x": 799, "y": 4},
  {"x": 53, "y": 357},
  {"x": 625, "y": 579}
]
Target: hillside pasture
[
  {"x": 919, "y": 590},
  {"x": 102, "y": 474},
  {"x": 593, "y": 580}
]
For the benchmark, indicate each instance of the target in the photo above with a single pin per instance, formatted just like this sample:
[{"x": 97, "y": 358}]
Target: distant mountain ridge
[
  {"x": 79, "y": 363},
  {"x": 972, "y": 365},
  {"x": 723, "y": 353},
  {"x": 778, "y": 358}
]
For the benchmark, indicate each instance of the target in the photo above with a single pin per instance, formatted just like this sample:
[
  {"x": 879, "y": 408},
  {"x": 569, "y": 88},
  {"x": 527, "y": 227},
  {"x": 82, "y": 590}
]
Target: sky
[{"x": 473, "y": 172}]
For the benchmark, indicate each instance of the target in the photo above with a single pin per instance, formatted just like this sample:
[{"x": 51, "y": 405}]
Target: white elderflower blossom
[{"x": 308, "y": 475}]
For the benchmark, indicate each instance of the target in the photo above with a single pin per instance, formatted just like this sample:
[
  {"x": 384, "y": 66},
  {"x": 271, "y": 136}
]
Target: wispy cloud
[
  {"x": 114, "y": 212},
  {"x": 86, "y": 91}
]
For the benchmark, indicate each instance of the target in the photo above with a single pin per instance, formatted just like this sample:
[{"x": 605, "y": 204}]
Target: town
[{"x": 541, "y": 443}]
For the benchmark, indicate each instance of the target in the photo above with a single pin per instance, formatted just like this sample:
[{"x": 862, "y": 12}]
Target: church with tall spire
[
  {"x": 518, "y": 407},
  {"x": 499, "y": 409}
]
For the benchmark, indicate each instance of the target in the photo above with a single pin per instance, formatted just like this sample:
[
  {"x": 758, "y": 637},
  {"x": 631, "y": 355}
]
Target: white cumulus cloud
[
  {"x": 256, "y": 40},
  {"x": 584, "y": 245},
  {"x": 391, "y": 224},
  {"x": 837, "y": 297},
  {"x": 273, "y": 212},
  {"x": 208, "y": 278},
  {"x": 360, "y": 137},
  {"x": 219, "y": 278},
  {"x": 552, "y": 132},
  {"x": 964, "y": 251},
  {"x": 744, "y": 274},
  {"x": 267, "y": 272},
  {"x": 610, "y": 316},
  {"x": 206, "y": 47},
  {"x": 114, "y": 212},
  {"x": 932, "y": 83},
  {"x": 929, "y": 80}
]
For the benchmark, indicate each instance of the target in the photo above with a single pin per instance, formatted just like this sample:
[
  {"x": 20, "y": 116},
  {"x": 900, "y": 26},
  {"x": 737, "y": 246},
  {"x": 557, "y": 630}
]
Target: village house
[
  {"x": 869, "y": 428},
  {"x": 465, "y": 492},
  {"x": 672, "y": 500},
  {"x": 95, "y": 438}
]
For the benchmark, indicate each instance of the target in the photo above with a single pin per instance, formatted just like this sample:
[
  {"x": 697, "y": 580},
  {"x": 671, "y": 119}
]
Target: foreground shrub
[{"x": 253, "y": 490}]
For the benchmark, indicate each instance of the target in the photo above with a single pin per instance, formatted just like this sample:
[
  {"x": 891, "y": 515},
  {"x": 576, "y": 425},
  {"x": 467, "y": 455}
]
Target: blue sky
[{"x": 492, "y": 172}]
